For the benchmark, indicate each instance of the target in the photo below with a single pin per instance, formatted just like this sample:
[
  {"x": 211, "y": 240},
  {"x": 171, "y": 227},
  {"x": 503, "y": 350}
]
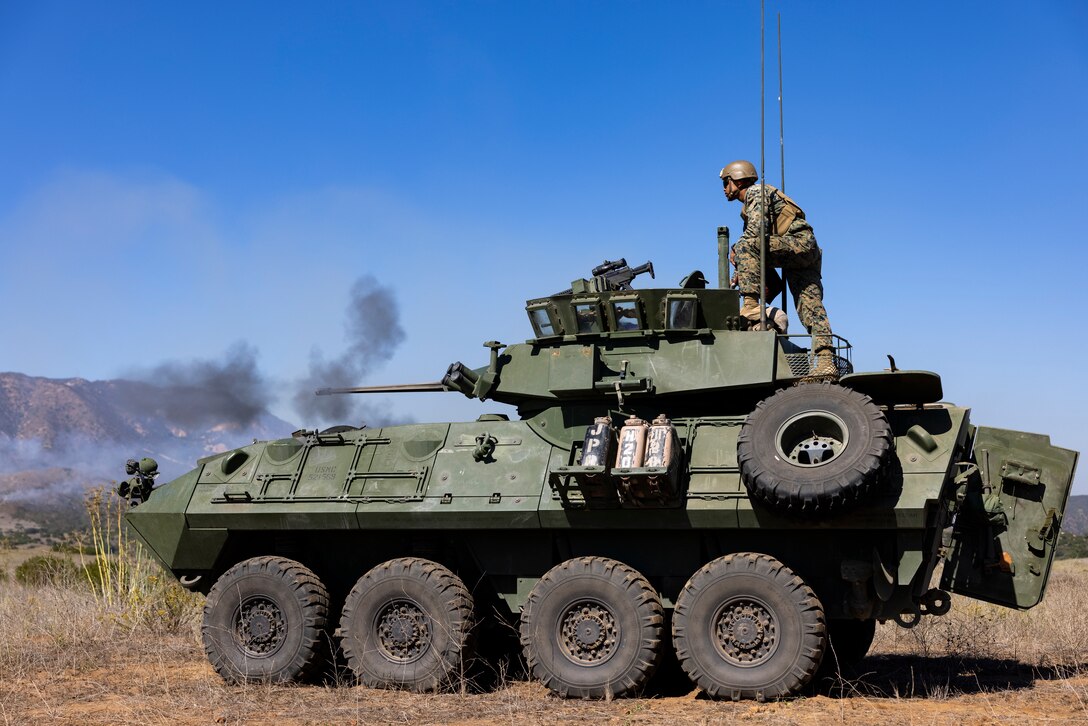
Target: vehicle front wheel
[
  {"x": 264, "y": 622},
  {"x": 592, "y": 628},
  {"x": 407, "y": 624},
  {"x": 746, "y": 626}
]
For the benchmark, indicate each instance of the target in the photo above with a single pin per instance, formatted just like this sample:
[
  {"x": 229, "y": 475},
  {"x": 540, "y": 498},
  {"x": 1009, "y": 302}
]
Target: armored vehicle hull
[{"x": 673, "y": 483}]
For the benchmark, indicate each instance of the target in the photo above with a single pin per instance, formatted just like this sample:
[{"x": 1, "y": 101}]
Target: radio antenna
[
  {"x": 781, "y": 143},
  {"x": 762, "y": 177},
  {"x": 781, "y": 117}
]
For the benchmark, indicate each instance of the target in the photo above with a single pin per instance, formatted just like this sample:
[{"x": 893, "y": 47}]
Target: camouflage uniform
[{"x": 796, "y": 252}]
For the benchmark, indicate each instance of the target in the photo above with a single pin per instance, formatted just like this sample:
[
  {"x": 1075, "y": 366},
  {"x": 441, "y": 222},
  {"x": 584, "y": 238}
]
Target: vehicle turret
[{"x": 603, "y": 342}]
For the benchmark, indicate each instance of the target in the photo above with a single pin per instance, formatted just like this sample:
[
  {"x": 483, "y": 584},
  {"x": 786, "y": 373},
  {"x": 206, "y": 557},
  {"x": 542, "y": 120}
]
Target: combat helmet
[{"x": 738, "y": 170}]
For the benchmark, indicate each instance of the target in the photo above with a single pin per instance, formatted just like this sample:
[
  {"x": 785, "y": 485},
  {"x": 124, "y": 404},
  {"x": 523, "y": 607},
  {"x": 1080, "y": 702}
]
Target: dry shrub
[
  {"x": 115, "y": 612},
  {"x": 43, "y": 570},
  {"x": 1053, "y": 634},
  {"x": 125, "y": 579},
  {"x": 62, "y": 651},
  {"x": 50, "y": 627}
]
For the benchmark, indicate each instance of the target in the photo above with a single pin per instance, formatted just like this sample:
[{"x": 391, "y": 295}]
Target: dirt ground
[
  {"x": 65, "y": 659},
  {"x": 180, "y": 687}
]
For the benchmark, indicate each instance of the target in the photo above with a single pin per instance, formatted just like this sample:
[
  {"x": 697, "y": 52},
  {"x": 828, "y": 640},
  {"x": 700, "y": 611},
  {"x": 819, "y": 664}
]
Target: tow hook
[
  {"x": 936, "y": 602},
  {"x": 190, "y": 582},
  {"x": 909, "y": 618}
]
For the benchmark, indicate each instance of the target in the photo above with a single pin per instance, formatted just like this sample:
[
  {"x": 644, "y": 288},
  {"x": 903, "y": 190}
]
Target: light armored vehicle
[{"x": 673, "y": 482}]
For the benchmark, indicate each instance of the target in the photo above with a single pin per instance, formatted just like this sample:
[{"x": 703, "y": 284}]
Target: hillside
[
  {"x": 59, "y": 437},
  {"x": 1076, "y": 515}
]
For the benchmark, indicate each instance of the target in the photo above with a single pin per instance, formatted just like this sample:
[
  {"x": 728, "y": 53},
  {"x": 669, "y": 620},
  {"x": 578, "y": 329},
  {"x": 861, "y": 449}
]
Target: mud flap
[{"x": 1008, "y": 517}]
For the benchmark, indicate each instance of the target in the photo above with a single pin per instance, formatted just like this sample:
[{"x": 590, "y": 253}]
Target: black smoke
[
  {"x": 179, "y": 411},
  {"x": 372, "y": 332},
  {"x": 233, "y": 392},
  {"x": 230, "y": 391}
]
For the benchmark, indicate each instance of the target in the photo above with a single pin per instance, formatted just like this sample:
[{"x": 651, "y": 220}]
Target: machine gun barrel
[
  {"x": 397, "y": 388},
  {"x": 611, "y": 275}
]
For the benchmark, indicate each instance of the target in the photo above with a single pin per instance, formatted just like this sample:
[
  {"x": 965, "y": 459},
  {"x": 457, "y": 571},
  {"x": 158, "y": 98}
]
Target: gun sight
[{"x": 609, "y": 266}]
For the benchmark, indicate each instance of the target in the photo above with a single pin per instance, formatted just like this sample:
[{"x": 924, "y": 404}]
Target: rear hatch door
[{"x": 1006, "y": 527}]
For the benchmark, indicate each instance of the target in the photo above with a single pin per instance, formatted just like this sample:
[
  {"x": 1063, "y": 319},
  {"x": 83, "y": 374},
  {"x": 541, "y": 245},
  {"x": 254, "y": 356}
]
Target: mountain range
[{"x": 61, "y": 437}]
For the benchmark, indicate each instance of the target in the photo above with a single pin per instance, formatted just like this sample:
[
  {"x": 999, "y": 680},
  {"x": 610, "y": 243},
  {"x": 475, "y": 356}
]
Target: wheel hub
[
  {"x": 746, "y": 632},
  {"x": 589, "y": 633},
  {"x": 814, "y": 450},
  {"x": 812, "y": 438},
  {"x": 403, "y": 631},
  {"x": 260, "y": 627}
]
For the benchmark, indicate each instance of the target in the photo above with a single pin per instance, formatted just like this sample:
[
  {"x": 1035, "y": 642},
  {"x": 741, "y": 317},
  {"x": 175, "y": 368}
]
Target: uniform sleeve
[{"x": 753, "y": 212}]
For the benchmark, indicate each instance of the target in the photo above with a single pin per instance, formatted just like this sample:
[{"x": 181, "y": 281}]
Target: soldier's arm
[{"x": 753, "y": 208}]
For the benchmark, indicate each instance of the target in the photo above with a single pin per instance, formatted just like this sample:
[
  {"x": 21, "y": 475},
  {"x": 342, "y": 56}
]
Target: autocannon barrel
[{"x": 397, "y": 388}]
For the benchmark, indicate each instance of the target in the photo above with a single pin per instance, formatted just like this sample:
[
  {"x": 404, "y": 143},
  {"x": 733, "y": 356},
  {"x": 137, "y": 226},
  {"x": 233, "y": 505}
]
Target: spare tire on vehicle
[{"x": 813, "y": 449}]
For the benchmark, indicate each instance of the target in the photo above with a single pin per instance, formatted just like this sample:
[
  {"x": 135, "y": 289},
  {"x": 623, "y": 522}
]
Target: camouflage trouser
[{"x": 800, "y": 259}]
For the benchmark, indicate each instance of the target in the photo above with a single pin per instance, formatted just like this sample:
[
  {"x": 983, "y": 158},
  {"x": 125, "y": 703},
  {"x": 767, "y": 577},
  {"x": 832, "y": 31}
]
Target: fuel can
[
  {"x": 597, "y": 446},
  {"x": 632, "y": 446}
]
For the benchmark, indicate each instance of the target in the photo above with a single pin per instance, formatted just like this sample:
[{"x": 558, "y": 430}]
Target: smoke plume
[
  {"x": 180, "y": 411},
  {"x": 201, "y": 392},
  {"x": 373, "y": 332}
]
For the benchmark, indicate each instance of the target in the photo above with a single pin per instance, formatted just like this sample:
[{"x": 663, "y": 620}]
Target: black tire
[
  {"x": 592, "y": 628},
  {"x": 746, "y": 626},
  {"x": 813, "y": 449},
  {"x": 264, "y": 622},
  {"x": 850, "y": 641},
  {"x": 407, "y": 624}
]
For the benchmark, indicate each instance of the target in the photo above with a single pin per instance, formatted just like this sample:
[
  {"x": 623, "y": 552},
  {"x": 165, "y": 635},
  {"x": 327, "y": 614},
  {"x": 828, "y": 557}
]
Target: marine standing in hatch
[{"x": 791, "y": 245}]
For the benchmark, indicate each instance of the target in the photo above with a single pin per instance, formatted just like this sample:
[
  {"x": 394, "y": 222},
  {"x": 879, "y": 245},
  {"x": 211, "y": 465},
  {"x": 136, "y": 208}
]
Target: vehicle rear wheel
[
  {"x": 407, "y": 624},
  {"x": 746, "y": 626},
  {"x": 813, "y": 449},
  {"x": 592, "y": 628},
  {"x": 264, "y": 621}
]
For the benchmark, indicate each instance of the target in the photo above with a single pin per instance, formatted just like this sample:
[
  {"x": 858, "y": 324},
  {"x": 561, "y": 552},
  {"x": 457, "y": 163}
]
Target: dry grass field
[{"x": 73, "y": 655}]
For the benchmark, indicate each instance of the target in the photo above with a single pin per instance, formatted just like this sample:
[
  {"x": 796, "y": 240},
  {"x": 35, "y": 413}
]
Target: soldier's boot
[
  {"x": 749, "y": 310},
  {"x": 824, "y": 368}
]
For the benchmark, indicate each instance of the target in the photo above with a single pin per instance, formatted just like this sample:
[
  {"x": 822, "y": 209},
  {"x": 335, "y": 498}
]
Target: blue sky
[{"x": 174, "y": 180}]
